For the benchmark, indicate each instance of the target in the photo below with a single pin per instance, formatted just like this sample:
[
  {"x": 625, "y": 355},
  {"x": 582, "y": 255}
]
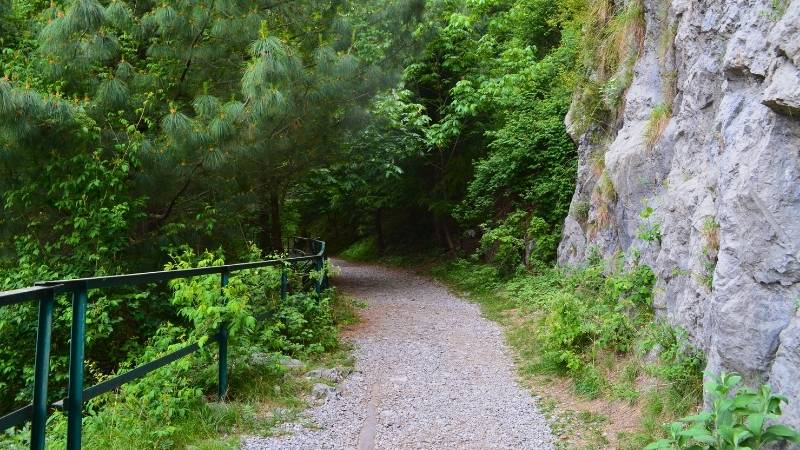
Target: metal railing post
[
  {"x": 325, "y": 281},
  {"x": 318, "y": 264},
  {"x": 223, "y": 348},
  {"x": 42, "y": 369},
  {"x": 80, "y": 298}
]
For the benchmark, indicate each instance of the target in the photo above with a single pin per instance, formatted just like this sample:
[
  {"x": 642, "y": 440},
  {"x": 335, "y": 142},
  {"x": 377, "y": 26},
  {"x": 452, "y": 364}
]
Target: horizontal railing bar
[
  {"x": 46, "y": 288},
  {"x": 270, "y": 262},
  {"x": 138, "y": 372},
  {"x": 17, "y": 417},
  {"x": 166, "y": 275},
  {"x": 23, "y": 295},
  {"x": 134, "y": 278}
]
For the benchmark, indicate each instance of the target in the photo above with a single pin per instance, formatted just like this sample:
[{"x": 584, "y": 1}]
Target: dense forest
[{"x": 141, "y": 135}]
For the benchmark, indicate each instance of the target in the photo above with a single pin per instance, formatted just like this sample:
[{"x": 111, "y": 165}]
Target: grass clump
[
  {"x": 656, "y": 124},
  {"x": 604, "y": 196},
  {"x": 608, "y": 60}
]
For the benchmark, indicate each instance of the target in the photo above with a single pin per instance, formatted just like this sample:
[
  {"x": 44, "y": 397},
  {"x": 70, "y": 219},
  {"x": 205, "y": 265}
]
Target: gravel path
[{"x": 431, "y": 373}]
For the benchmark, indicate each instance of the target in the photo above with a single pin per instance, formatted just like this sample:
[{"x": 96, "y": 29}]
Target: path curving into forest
[{"x": 431, "y": 373}]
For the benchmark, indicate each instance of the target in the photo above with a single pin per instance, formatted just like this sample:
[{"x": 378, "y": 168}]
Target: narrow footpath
[{"x": 431, "y": 373}]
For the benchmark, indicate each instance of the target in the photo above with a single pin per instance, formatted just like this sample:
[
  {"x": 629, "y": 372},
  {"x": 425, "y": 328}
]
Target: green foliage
[
  {"x": 649, "y": 229},
  {"x": 363, "y": 250},
  {"x": 489, "y": 89},
  {"x": 739, "y": 418},
  {"x": 681, "y": 365},
  {"x": 659, "y": 118},
  {"x": 168, "y": 407},
  {"x": 520, "y": 239},
  {"x": 130, "y": 131},
  {"x": 777, "y": 9},
  {"x": 608, "y": 39},
  {"x": 574, "y": 329}
]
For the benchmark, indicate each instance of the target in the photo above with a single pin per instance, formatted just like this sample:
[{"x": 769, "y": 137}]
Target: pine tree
[{"x": 161, "y": 87}]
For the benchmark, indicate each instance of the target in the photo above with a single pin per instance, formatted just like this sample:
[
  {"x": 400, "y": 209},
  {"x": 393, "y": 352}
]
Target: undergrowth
[
  {"x": 177, "y": 406},
  {"x": 365, "y": 249}
]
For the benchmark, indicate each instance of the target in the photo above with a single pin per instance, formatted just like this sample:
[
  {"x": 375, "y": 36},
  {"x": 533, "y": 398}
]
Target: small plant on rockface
[
  {"x": 603, "y": 196},
  {"x": 610, "y": 59},
  {"x": 582, "y": 211},
  {"x": 738, "y": 419},
  {"x": 649, "y": 230},
  {"x": 598, "y": 161},
  {"x": 711, "y": 238},
  {"x": 667, "y": 39},
  {"x": 776, "y": 11},
  {"x": 710, "y": 235},
  {"x": 623, "y": 38},
  {"x": 669, "y": 87},
  {"x": 706, "y": 277},
  {"x": 615, "y": 87},
  {"x": 656, "y": 124}
]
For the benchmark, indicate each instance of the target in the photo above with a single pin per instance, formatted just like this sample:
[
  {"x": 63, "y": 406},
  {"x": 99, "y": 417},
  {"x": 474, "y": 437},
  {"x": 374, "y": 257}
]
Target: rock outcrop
[{"x": 709, "y": 194}]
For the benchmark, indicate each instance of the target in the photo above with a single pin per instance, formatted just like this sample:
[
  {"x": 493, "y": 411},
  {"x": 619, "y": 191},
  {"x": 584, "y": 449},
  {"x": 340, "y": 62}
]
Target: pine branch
[
  {"x": 195, "y": 41},
  {"x": 161, "y": 218}
]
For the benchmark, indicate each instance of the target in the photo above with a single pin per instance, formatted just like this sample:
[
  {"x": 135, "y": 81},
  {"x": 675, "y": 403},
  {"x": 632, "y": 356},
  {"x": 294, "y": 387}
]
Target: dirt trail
[{"x": 431, "y": 373}]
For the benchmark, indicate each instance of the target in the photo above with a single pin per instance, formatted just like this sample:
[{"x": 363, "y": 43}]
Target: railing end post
[
  {"x": 80, "y": 299},
  {"x": 222, "y": 339},
  {"x": 42, "y": 369}
]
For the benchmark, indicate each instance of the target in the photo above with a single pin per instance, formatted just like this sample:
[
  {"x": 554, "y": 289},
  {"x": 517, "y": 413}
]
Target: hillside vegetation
[{"x": 139, "y": 136}]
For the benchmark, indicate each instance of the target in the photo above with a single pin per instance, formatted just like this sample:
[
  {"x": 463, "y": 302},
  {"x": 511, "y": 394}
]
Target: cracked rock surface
[{"x": 723, "y": 182}]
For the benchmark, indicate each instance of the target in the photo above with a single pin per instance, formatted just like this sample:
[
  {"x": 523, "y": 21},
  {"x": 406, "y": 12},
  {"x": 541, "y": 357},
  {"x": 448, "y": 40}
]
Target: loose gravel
[{"x": 431, "y": 373}]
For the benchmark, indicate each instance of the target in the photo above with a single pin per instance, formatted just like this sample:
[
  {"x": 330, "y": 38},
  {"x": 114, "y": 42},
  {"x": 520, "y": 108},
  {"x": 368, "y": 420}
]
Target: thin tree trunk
[
  {"x": 441, "y": 233},
  {"x": 379, "y": 230},
  {"x": 276, "y": 232},
  {"x": 447, "y": 237},
  {"x": 265, "y": 240}
]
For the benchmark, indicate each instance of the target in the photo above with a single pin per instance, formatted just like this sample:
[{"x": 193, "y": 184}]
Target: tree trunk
[
  {"x": 265, "y": 240},
  {"x": 447, "y": 237},
  {"x": 379, "y": 230},
  {"x": 275, "y": 232},
  {"x": 443, "y": 233}
]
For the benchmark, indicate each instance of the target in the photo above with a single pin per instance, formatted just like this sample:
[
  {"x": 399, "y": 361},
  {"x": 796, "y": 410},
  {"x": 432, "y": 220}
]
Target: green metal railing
[{"x": 46, "y": 292}]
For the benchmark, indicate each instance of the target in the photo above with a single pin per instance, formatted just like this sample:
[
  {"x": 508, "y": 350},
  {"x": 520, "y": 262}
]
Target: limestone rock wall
[{"x": 722, "y": 180}]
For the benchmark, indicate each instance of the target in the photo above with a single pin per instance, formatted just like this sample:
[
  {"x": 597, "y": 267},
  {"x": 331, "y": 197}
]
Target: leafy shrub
[
  {"x": 504, "y": 244},
  {"x": 519, "y": 239},
  {"x": 160, "y": 409},
  {"x": 738, "y": 419},
  {"x": 586, "y": 311}
]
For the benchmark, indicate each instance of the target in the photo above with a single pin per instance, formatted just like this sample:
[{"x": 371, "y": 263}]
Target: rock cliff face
[{"x": 701, "y": 176}]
